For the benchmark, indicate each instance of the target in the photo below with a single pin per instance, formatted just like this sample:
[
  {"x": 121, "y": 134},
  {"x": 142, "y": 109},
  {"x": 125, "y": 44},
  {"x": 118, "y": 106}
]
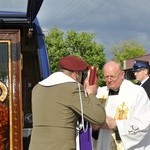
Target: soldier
[{"x": 58, "y": 102}]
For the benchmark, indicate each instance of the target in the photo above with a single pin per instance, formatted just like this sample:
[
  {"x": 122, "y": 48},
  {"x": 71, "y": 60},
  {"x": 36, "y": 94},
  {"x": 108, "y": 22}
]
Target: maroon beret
[{"x": 73, "y": 63}]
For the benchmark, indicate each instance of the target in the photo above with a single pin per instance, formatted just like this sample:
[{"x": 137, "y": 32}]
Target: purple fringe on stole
[{"x": 85, "y": 139}]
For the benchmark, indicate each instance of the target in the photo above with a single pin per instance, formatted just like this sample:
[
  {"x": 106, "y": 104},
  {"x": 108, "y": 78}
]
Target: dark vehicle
[{"x": 23, "y": 63}]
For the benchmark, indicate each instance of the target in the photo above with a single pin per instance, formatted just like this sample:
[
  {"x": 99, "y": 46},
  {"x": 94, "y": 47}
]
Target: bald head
[
  {"x": 113, "y": 74},
  {"x": 112, "y": 66}
]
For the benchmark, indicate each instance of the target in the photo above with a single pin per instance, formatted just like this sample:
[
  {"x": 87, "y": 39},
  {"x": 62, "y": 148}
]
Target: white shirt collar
[
  {"x": 56, "y": 78},
  {"x": 142, "y": 82}
]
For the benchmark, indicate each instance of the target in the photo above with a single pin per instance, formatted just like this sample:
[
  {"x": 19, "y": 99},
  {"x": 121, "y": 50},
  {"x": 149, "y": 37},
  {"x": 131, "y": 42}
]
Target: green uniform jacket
[{"x": 55, "y": 113}]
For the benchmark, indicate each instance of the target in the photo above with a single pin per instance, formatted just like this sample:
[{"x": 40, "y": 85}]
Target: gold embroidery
[
  {"x": 121, "y": 112},
  {"x": 103, "y": 99},
  {"x": 116, "y": 145}
]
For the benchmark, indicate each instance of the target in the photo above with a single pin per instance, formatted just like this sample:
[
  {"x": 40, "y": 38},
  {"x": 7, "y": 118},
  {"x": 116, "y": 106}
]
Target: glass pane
[
  {"x": 4, "y": 62},
  {"x": 4, "y": 101},
  {"x": 14, "y": 5}
]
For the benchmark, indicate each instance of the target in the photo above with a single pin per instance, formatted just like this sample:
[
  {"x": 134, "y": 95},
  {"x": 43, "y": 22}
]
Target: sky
[{"x": 112, "y": 21}]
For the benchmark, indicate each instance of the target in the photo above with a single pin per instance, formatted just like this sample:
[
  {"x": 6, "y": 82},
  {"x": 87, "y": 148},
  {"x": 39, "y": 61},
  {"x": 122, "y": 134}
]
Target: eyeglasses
[{"x": 112, "y": 78}]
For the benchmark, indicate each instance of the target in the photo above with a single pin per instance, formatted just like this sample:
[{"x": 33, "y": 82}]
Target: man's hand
[
  {"x": 110, "y": 124},
  {"x": 90, "y": 88}
]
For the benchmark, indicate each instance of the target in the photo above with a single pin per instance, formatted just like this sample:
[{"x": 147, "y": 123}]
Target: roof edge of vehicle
[{"x": 33, "y": 7}]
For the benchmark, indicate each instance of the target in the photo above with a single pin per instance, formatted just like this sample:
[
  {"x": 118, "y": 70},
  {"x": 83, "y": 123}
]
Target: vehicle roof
[{"x": 19, "y": 11}]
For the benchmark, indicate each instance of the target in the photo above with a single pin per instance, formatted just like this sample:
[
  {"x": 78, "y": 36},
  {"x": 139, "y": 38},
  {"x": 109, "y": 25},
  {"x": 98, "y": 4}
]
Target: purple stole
[{"x": 85, "y": 139}]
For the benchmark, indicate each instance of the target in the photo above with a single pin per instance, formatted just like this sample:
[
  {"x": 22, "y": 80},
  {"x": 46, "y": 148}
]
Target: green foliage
[
  {"x": 127, "y": 49},
  {"x": 75, "y": 43},
  {"x": 56, "y": 47}
]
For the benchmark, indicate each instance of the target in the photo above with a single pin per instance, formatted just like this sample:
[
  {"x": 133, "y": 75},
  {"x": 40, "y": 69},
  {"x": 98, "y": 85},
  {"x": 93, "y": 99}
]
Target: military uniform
[{"x": 56, "y": 108}]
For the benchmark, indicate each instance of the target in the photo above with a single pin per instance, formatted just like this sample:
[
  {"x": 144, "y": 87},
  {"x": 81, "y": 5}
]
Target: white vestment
[{"x": 131, "y": 110}]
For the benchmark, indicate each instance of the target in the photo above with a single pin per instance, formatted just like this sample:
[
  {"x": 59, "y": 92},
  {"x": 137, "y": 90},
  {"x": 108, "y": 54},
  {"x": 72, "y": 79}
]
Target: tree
[
  {"x": 127, "y": 49},
  {"x": 56, "y": 47},
  {"x": 75, "y": 43}
]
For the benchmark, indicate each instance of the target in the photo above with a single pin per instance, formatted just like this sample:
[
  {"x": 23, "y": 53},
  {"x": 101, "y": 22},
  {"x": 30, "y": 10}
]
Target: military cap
[
  {"x": 73, "y": 63},
  {"x": 140, "y": 64}
]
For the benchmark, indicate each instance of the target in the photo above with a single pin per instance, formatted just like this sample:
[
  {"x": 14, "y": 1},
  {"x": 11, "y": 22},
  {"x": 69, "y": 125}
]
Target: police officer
[{"x": 141, "y": 72}]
